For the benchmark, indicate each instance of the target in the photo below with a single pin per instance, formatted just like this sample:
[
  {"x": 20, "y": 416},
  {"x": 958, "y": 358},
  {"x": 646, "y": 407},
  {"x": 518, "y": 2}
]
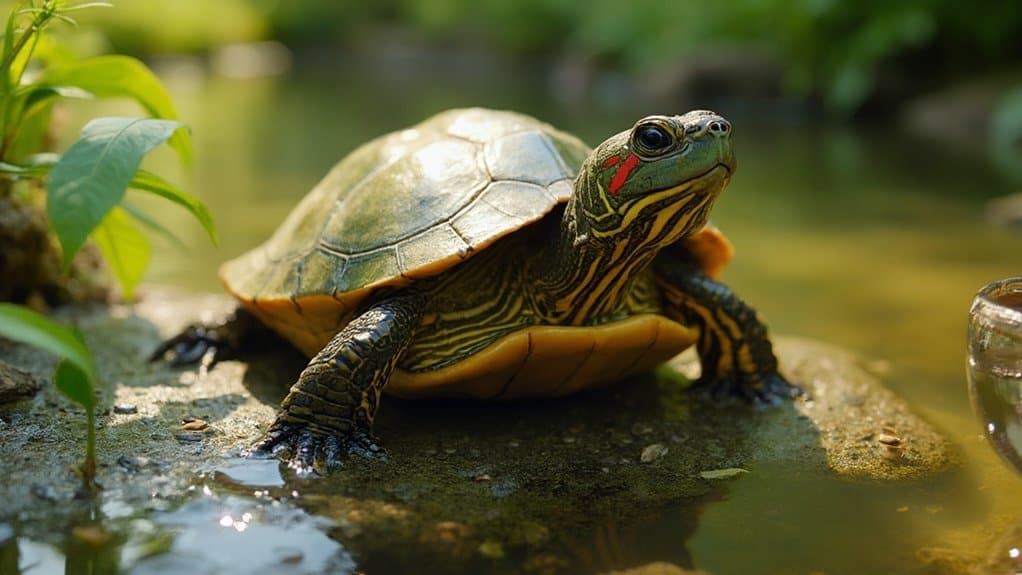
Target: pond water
[{"x": 860, "y": 237}]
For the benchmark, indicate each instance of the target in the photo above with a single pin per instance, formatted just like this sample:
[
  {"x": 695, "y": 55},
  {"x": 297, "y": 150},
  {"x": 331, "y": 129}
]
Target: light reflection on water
[
  {"x": 862, "y": 238},
  {"x": 230, "y": 534},
  {"x": 209, "y": 533}
]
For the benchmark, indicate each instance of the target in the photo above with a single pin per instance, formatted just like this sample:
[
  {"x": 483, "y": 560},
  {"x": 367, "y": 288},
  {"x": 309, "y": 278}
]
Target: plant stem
[{"x": 40, "y": 18}]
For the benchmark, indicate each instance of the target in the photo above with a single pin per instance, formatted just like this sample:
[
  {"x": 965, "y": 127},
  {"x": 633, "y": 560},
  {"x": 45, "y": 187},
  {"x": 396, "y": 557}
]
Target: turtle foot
[
  {"x": 313, "y": 453},
  {"x": 761, "y": 391},
  {"x": 198, "y": 343}
]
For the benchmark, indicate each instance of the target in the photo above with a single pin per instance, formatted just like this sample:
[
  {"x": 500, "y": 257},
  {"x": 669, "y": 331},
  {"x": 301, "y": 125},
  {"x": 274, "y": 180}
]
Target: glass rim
[{"x": 987, "y": 295}]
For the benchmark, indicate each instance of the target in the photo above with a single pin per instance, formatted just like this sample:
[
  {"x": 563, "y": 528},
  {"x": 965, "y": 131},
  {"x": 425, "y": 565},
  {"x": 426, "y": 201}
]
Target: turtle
[{"x": 486, "y": 254}]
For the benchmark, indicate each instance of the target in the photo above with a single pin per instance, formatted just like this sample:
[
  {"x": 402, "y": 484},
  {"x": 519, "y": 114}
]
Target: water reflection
[
  {"x": 208, "y": 533},
  {"x": 230, "y": 534},
  {"x": 250, "y": 472}
]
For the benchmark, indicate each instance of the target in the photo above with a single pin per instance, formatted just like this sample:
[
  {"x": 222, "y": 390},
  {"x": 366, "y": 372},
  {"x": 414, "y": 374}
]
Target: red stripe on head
[
  {"x": 611, "y": 161},
  {"x": 621, "y": 176}
]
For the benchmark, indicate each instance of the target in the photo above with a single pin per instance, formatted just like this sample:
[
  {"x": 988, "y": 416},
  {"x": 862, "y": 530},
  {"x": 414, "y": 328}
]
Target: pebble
[
  {"x": 492, "y": 549},
  {"x": 133, "y": 463},
  {"x": 288, "y": 555},
  {"x": 194, "y": 425},
  {"x": 128, "y": 463},
  {"x": 190, "y": 436},
  {"x": 652, "y": 452},
  {"x": 892, "y": 447},
  {"x": 125, "y": 409},
  {"x": 44, "y": 492},
  {"x": 642, "y": 429}
]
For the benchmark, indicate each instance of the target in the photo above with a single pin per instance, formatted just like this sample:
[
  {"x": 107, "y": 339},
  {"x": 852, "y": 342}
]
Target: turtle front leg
[
  {"x": 329, "y": 411},
  {"x": 735, "y": 353}
]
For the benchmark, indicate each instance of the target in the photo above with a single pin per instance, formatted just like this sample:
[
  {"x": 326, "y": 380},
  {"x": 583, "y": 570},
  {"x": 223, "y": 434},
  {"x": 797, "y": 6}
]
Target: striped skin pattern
[
  {"x": 338, "y": 393},
  {"x": 598, "y": 269},
  {"x": 513, "y": 285},
  {"x": 732, "y": 337}
]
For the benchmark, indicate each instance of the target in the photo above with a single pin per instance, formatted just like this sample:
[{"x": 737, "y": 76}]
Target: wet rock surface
[
  {"x": 509, "y": 487},
  {"x": 845, "y": 418}
]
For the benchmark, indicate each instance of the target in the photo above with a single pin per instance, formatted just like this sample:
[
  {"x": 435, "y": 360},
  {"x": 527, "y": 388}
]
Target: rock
[
  {"x": 656, "y": 568},
  {"x": 945, "y": 115},
  {"x": 489, "y": 481},
  {"x": 1005, "y": 211},
  {"x": 843, "y": 416},
  {"x": 30, "y": 261},
  {"x": 16, "y": 384}
]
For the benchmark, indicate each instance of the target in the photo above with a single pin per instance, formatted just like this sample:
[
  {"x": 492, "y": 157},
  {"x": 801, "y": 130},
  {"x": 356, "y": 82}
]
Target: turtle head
[{"x": 657, "y": 180}]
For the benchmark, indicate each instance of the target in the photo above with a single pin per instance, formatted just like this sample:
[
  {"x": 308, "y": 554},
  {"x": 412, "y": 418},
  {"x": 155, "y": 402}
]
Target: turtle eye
[{"x": 652, "y": 139}]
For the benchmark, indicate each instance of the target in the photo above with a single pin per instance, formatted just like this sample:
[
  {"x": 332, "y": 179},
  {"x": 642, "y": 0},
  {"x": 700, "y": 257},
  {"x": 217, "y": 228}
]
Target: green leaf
[
  {"x": 85, "y": 5},
  {"x": 8, "y": 48},
  {"x": 75, "y": 384},
  {"x": 24, "y": 171},
  {"x": 31, "y": 112},
  {"x": 147, "y": 221},
  {"x": 727, "y": 473},
  {"x": 125, "y": 249},
  {"x": 91, "y": 177},
  {"x": 37, "y": 95},
  {"x": 30, "y": 131},
  {"x": 150, "y": 182},
  {"x": 22, "y": 324},
  {"x": 35, "y": 166},
  {"x": 116, "y": 76}
]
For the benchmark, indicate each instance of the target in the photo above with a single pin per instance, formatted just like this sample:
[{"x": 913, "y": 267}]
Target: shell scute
[
  {"x": 411, "y": 204},
  {"x": 525, "y": 157},
  {"x": 411, "y": 195}
]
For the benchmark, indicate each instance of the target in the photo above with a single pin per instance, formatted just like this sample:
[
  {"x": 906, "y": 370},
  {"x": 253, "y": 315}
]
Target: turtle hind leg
[
  {"x": 328, "y": 413},
  {"x": 224, "y": 339},
  {"x": 735, "y": 353}
]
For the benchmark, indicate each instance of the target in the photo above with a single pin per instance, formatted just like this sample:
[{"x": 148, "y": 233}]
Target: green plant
[
  {"x": 86, "y": 186},
  {"x": 75, "y": 372}
]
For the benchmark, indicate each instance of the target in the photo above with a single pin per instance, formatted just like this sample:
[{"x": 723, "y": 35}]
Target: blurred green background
[{"x": 840, "y": 58}]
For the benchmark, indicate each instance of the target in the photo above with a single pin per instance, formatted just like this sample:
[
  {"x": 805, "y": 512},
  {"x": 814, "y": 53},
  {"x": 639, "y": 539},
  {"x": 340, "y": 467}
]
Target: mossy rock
[{"x": 478, "y": 482}]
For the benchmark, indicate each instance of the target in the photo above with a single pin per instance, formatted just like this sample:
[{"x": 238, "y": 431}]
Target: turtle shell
[{"x": 407, "y": 205}]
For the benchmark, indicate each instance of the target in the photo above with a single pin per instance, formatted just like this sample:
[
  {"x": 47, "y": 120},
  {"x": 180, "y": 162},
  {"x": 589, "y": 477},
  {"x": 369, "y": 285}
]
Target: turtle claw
[
  {"x": 311, "y": 453},
  {"x": 760, "y": 391},
  {"x": 365, "y": 445},
  {"x": 192, "y": 346},
  {"x": 775, "y": 390}
]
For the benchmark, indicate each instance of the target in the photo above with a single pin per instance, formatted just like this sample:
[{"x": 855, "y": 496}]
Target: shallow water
[{"x": 864, "y": 238}]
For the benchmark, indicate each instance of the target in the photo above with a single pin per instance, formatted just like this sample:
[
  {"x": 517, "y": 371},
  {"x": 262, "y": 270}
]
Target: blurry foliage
[
  {"x": 1006, "y": 134},
  {"x": 163, "y": 26},
  {"x": 831, "y": 50}
]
